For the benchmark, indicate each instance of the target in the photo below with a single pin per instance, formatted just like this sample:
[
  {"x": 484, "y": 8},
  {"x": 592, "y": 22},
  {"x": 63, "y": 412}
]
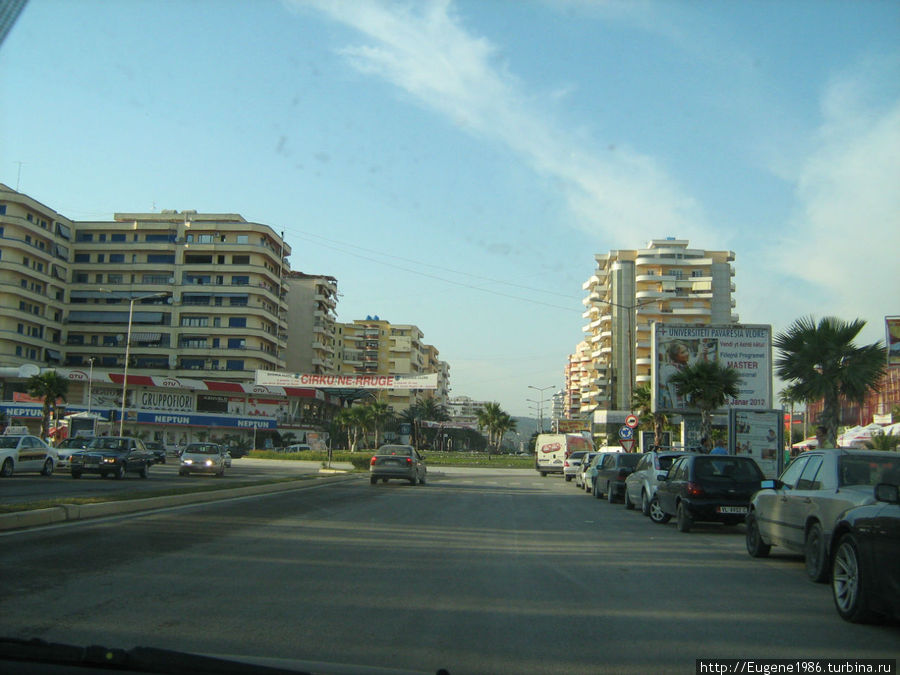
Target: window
[
  {"x": 243, "y": 239},
  {"x": 114, "y": 278},
  {"x": 160, "y": 237},
  {"x": 102, "y": 236},
  {"x": 791, "y": 475},
  {"x": 240, "y": 260},
  {"x": 810, "y": 479},
  {"x": 198, "y": 321},
  {"x": 242, "y": 280},
  {"x": 84, "y": 236},
  {"x": 205, "y": 238},
  {"x": 101, "y": 258},
  {"x": 110, "y": 341},
  {"x": 117, "y": 257},
  {"x": 192, "y": 364},
  {"x": 234, "y": 364},
  {"x": 236, "y": 343},
  {"x": 195, "y": 259},
  {"x": 165, "y": 258},
  {"x": 237, "y": 322},
  {"x": 82, "y": 257},
  {"x": 117, "y": 237},
  {"x": 2, "y": 209}
]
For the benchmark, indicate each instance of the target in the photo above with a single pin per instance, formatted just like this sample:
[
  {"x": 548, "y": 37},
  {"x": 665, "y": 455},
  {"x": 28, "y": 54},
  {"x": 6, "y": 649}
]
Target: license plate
[{"x": 732, "y": 509}]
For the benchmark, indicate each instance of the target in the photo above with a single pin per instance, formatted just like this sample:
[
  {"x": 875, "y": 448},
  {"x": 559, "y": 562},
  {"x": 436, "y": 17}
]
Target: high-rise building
[
  {"x": 375, "y": 346},
  {"x": 630, "y": 290},
  {"x": 311, "y": 303},
  {"x": 577, "y": 372}
]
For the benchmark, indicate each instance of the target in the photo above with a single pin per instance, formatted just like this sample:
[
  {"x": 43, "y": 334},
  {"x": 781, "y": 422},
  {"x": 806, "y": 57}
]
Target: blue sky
[{"x": 456, "y": 165}]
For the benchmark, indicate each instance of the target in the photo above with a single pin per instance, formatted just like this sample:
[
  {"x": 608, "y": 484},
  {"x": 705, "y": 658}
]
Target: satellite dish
[{"x": 28, "y": 370}]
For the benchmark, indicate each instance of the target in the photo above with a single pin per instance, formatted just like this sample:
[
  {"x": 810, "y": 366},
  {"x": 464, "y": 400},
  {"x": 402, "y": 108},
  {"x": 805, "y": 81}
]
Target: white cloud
[
  {"x": 621, "y": 195},
  {"x": 846, "y": 232}
]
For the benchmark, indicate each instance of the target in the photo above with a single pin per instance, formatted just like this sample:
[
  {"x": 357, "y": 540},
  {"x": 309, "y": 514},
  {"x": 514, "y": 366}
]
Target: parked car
[
  {"x": 610, "y": 474},
  {"x": 397, "y": 461},
  {"x": 112, "y": 455},
  {"x": 24, "y": 452},
  {"x": 202, "y": 458},
  {"x": 590, "y": 471},
  {"x": 640, "y": 485},
  {"x": 572, "y": 464},
  {"x": 157, "y": 451},
  {"x": 297, "y": 447},
  {"x": 708, "y": 488},
  {"x": 583, "y": 466},
  {"x": 799, "y": 510},
  {"x": 66, "y": 447},
  {"x": 864, "y": 584}
]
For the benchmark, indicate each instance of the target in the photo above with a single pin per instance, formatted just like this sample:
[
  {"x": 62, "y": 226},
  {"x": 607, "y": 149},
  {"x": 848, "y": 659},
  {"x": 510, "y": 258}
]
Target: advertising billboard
[
  {"x": 759, "y": 435},
  {"x": 747, "y": 349},
  {"x": 892, "y": 343},
  {"x": 276, "y": 379}
]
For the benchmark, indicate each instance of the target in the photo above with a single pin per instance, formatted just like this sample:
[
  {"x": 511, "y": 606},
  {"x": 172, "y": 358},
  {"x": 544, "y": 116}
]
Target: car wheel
[
  {"x": 384, "y": 480},
  {"x": 597, "y": 492},
  {"x": 645, "y": 504},
  {"x": 684, "y": 519},
  {"x": 373, "y": 480},
  {"x": 422, "y": 480},
  {"x": 848, "y": 584},
  {"x": 628, "y": 503},
  {"x": 816, "y": 557},
  {"x": 568, "y": 478},
  {"x": 610, "y": 493},
  {"x": 183, "y": 473},
  {"x": 76, "y": 474},
  {"x": 47, "y": 470},
  {"x": 103, "y": 474},
  {"x": 657, "y": 515},
  {"x": 120, "y": 472},
  {"x": 144, "y": 472},
  {"x": 220, "y": 473},
  {"x": 7, "y": 469}
]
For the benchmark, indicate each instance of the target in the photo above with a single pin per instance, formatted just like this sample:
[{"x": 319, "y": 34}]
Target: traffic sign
[
  {"x": 631, "y": 421},
  {"x": 627, "y": 444},
  {"x": 626, "y": 433}
]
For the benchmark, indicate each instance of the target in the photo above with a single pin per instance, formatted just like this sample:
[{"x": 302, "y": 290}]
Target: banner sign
[
  {"x": 273, "y": 378},
  {"x": 892, "y": 327},
  {"x": 746, "y": 349},
  {"x": 202, "y": 420},
  {"x": 759, "y": 435}
]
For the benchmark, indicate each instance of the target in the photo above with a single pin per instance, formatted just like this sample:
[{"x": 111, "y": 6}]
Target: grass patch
[
  {"x": 432, "y": 458},
  {"x": 128, "y": 496}
]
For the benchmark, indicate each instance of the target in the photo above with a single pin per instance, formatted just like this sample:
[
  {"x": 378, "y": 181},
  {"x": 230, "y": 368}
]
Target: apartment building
[
  {"x": 463, "y": 411},
  {"x": 311, "y": 323},
  {"x": 577, "y": 372},
  {"x": 630, "y": 290},
  {"x": 375, "y": 346}
]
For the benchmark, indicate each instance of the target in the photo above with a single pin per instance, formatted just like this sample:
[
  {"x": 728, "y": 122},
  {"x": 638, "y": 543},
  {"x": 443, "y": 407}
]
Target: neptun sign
[{"x": 275, "y": 379}]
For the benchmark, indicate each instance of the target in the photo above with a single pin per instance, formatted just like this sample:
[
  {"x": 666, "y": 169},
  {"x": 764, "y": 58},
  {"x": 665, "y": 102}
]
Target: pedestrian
[{"x": 821, "y": 436}]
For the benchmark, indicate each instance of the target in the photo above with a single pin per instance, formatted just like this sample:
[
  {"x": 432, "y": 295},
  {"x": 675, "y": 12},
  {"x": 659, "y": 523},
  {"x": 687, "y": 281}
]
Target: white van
[{"x": 551, "y": 450}]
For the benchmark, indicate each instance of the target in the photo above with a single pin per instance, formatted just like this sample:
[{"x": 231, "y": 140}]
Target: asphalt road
[
  {"x": 477, "y": 572},
  {"x": 32, "y": 487}
]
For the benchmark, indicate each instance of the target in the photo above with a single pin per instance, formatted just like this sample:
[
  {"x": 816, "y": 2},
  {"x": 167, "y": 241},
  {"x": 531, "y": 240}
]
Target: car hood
[{"x": 198, "y": 456}]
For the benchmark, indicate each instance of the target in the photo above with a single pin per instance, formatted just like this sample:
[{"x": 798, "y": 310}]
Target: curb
[{"x": 72, "y": 512}]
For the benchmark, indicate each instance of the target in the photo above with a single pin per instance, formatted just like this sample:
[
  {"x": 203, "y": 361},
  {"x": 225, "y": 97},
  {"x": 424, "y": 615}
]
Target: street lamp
[
  {"x": 131, "y": 302},
  {"x": 541, "y": 408},
  {"x": 90, "y": 381}
]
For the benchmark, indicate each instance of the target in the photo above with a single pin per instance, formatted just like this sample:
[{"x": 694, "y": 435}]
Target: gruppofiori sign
[{"x": 272, "y": 378}]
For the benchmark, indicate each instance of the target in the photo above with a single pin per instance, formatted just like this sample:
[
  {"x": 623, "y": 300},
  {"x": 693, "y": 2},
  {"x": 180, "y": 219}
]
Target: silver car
[
  {"x": 397, "y": 461},
  {"x": 202, "y": 458},
  {"x": 799, "y": 510},
  {"x": 24, "y": 452},
  {"x": 583, "y": 466},
  {"x": 640, "y": 486}
]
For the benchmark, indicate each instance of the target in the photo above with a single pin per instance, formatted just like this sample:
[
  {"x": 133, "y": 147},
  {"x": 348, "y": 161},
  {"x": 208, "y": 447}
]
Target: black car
[
  {"x": 157, "y": 451},
  {"x": 112, "y": 456},
  {"x": 707, "y": 488},
  {"x": 612, "y": 471},
  {"x": 864, "y": 583}
]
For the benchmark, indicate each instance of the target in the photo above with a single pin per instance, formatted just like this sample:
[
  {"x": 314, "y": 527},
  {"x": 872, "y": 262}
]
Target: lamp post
[
  {"x": 541, "y": 405},
  {"x": 131, "y": 302},
  {"x": 90, "y": 381}
]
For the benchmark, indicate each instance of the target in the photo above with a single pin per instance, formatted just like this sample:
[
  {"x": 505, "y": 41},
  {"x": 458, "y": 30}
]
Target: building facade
[
  {"x": 373, "y": 346},
  {"x": 577, "y": 371},
  {"x": 630, "y": 290},
  {"x": 311, "y": 306}
]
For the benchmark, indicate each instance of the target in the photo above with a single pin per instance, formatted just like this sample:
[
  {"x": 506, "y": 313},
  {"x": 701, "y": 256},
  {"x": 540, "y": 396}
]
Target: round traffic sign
[
  {"x": 631, "y": 421},
  {"x": 626, "y": 433}
]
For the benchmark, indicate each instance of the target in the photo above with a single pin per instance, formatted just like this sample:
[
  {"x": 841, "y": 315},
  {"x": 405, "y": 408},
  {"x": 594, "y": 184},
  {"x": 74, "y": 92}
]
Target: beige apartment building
[
  {"x": 630, "y": 290},
  {"x": 373, "y": 346},
  {"x": 311, "y": 323},
  {"x": 203, "y": 294},
  {"x": 577, "y": 372}
]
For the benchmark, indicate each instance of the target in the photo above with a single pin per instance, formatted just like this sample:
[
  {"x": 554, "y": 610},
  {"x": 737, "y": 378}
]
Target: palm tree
[
  {"x": 410, "y": 416},
  {"x": 381, "y": 415},
  {"x": 429, "y": 410},
  {"x": 355, "y": 420},
  {"x": 50, "y": 387},
  {"x": 821, "y": 361},
  {"x": 486, "y": 418},
  {"x": 887, "y": 442},
  {"x": 641, "y": 402},
  {"x": 504, "y": 424},
  {"x": 706, "y": 385}
]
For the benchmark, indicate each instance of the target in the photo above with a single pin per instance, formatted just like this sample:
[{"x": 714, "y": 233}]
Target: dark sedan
[
  {"x": 112, "y": 456},
  {"x": 397, "y": 461},
  {"x": 708, "y": 488},
  {"x": 864, "y": 582},
  {"x": 611, "y": 473}
]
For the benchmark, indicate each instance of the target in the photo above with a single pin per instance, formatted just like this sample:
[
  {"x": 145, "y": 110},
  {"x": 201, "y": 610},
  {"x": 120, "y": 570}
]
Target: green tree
[
  {"x": 355, "y": 421},
  {"x": 706, "y": 385},
  {"x": 887, "y": 442},
  {"x": 493, "y": 419},
  {"x": 821, "y": 361},
  {"x": 641, "y": 399},
  {"x": 49, "y": 387},
  {"x": 431, "y": 411},
  {"x": 381, "y": 415}
]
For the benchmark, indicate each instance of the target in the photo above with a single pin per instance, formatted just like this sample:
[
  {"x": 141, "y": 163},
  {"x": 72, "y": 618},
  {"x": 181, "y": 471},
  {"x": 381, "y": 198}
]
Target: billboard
[
  {"x": 892, "y": 343},
  {"x": 760, "y": 436},
  {"x": 747, "y": 349},
  {"x": 273, "y": 378}
]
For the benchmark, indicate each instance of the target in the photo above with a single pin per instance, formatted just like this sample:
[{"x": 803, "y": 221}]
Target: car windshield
[
  {"x": 666, "y": 461},
  {"x": 726, "y": 469},
  {"x": 116, "y": 444},
  {"x": 869, "y": 470},
  {"x": 202, "y": 449},
  {"x": 395, "y": 450},
  {"x": 629, "y": 459}
]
